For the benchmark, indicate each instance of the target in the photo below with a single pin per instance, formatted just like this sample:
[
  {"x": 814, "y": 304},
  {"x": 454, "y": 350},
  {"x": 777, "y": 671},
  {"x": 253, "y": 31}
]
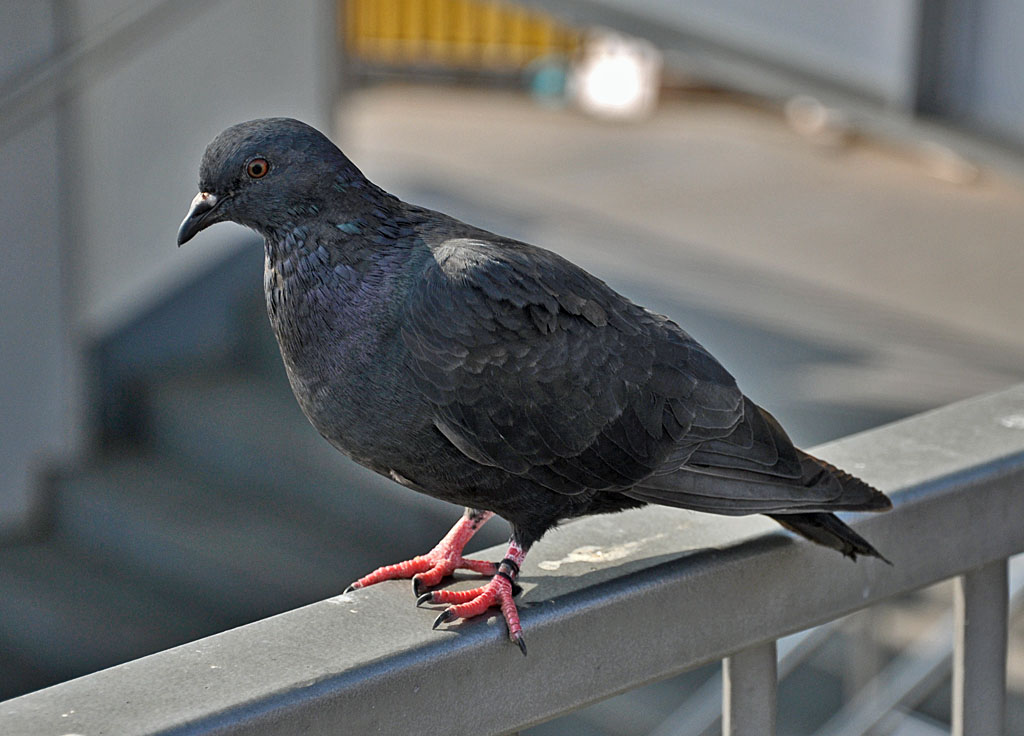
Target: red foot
[
  {"x": 498, "y": 592},
  {"x": 428, "y": 570},
  {"x": 470, "y": 603}
]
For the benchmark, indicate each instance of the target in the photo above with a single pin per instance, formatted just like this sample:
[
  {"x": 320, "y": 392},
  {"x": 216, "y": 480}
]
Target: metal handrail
[
  {"x": 609, "y": 603},
  {"x": 902, "y": 684}
]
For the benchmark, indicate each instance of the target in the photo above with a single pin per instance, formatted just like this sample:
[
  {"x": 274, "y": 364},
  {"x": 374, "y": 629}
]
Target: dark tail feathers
[
  {"x": 856, "y": 494},
  {"x": 828, "y": 530}
]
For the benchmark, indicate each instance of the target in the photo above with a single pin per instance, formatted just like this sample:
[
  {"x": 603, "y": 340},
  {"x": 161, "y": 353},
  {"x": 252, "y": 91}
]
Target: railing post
[
  {"x": 749, "y": 684},
  {"x": 979, "y": 655}
]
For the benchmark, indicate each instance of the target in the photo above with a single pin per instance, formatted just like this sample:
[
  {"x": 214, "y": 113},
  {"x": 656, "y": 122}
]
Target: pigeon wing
[{"x": 534, "y": 366}]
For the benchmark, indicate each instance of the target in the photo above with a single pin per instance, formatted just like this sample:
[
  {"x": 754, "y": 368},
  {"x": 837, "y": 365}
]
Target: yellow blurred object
[{"x": 487, "y": 35}]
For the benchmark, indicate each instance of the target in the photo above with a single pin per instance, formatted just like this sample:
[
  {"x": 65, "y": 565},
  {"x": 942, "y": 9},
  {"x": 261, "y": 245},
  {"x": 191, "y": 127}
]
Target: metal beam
[
  {"x": 749, "y": 691},
  {"x": 609, "y": 603},
  {"x": 980, "y": 605}
]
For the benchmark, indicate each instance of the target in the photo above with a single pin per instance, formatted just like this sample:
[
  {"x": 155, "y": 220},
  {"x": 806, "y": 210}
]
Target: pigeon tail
[{"x": 828, "y": 530}]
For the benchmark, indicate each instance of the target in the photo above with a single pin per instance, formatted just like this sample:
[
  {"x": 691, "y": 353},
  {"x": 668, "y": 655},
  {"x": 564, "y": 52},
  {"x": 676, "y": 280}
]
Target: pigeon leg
[
  {"x": 428, "y": 570},
  {"x": 498, "y": 592}
]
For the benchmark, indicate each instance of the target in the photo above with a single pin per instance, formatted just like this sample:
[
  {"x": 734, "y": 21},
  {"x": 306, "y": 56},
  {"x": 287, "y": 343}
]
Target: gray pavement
[{"x": 843, "y": 286}]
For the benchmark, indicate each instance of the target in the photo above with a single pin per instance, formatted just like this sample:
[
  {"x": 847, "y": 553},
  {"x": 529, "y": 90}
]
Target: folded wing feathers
[{"x": 756, "y": 469}]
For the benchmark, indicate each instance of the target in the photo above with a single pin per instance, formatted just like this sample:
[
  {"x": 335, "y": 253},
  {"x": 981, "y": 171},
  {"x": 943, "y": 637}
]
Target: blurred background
[{"x": 828, "y": 195}]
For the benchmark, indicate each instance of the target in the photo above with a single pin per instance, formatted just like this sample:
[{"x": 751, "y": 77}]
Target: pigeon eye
[{"x": 257, "y": 168}]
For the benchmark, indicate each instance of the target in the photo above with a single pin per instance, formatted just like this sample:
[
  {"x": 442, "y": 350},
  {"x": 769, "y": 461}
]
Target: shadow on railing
[{"x": 609, "y": 603}]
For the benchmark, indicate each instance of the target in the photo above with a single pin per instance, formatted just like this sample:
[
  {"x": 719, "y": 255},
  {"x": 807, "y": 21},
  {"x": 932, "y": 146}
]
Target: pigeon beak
[{"x": 198, "y": 217}]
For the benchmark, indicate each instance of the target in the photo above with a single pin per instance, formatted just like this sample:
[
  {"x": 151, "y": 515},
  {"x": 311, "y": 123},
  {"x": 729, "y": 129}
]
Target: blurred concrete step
[
  {"x": 67, "y": 615},
  {"x": 239, "y": 554},
  {"x": 250, "y": 429}
]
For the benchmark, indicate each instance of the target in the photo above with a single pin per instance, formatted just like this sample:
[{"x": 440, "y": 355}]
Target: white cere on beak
[{"x": 204, "y": 198}]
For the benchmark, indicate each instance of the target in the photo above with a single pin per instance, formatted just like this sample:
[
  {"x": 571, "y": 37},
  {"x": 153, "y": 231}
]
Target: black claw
[
  {"x": 445, "y": 617},
  {"x": 416, "y": 591},
  {"x": 521, "y": 643},
  {"x": 349, "y": 589},
  {"x": 425, "y": 598}
]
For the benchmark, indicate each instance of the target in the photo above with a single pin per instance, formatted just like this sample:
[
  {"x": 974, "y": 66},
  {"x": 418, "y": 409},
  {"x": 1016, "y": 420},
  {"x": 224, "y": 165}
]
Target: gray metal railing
[{"x": 609, "y": 603}]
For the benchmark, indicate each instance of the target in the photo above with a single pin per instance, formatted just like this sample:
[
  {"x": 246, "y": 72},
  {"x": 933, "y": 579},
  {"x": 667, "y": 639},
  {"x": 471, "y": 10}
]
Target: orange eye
[{"x": 257, "y": 168}]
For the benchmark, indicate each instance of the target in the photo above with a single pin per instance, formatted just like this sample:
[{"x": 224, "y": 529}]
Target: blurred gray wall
[
  {"x": 38, "y": 398},
  {"x": 867, "y": 44},
  {"x": 986, "y": 85},
  {"x": 105, "y": 109},
  {"x": 956, "y": 60}
]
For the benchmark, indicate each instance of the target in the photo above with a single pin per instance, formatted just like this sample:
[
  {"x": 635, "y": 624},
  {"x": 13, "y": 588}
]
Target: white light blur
[{"x": 618, "y": 76}]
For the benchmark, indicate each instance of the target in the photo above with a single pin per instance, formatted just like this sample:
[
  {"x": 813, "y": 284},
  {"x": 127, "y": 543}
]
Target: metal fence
[{"x": 609, "y": 603}]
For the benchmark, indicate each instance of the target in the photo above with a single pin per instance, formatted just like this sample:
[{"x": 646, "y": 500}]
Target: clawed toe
[
  {"x": 427, "y": 571},
  {"x": 470, "y": 603},
  {"x": 445, "y": 616}
]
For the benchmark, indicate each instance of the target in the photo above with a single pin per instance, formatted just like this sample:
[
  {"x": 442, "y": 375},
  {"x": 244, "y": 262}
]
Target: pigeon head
[{"x": 267, "y": 175}]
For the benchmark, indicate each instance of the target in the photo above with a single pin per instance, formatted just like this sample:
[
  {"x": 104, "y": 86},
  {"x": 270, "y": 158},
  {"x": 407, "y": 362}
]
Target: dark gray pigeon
[{"x": 492, "y": 373}]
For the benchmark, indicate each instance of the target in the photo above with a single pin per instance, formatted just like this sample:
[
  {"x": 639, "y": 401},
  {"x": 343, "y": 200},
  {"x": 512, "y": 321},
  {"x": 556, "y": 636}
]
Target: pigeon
[{"x": 494, "y": 374}]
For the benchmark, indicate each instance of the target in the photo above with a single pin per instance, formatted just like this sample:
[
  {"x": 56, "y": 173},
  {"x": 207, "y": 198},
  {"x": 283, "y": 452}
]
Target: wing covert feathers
[{"x": 536, "y": 367}]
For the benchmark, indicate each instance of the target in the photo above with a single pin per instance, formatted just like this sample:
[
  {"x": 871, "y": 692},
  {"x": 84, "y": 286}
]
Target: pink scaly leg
[
  {"x": 498, "y": 592},
  {"x": 428, "y": 570}
]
